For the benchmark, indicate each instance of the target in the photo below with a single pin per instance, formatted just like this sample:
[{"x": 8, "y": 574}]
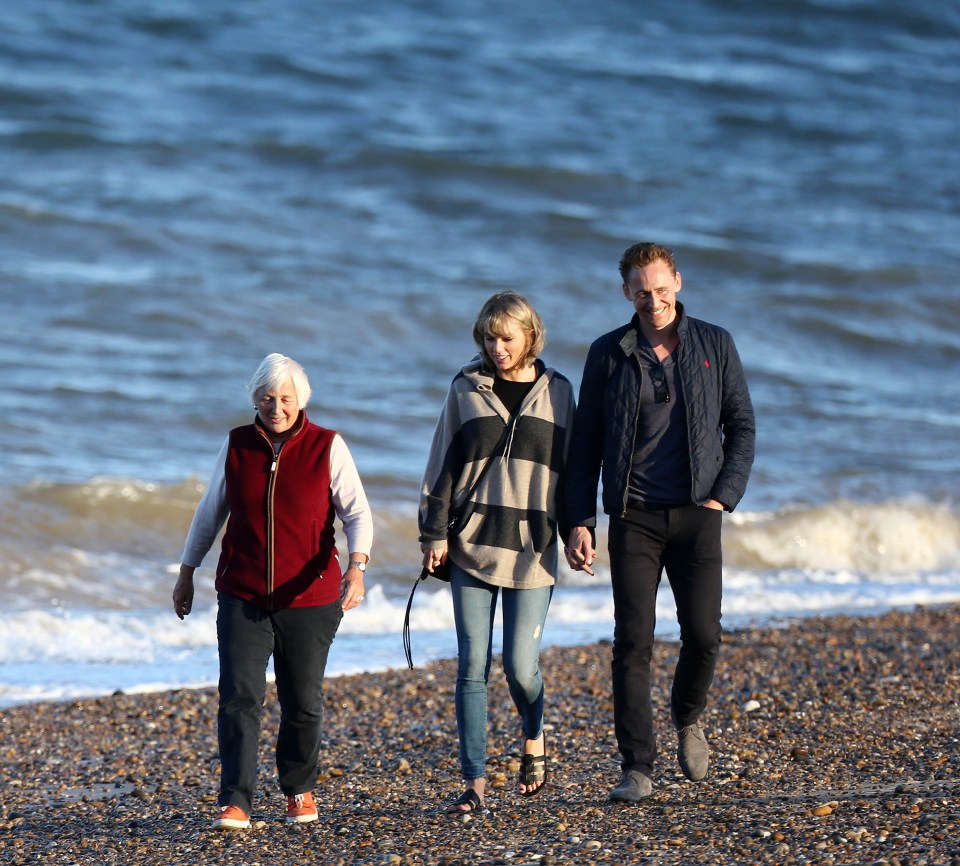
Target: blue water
[{"x": 188, "y": 186}]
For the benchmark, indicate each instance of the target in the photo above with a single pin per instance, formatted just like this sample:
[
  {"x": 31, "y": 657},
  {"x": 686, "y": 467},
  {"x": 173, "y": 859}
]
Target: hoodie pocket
[{"x": 528, "y": 551}]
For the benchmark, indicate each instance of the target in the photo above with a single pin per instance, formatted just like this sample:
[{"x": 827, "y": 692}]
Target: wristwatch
[{"x": 361, "y": 565}]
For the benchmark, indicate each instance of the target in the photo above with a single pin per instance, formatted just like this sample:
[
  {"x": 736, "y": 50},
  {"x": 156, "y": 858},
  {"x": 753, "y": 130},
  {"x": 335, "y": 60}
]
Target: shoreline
[{"x": 833, "y": 740}]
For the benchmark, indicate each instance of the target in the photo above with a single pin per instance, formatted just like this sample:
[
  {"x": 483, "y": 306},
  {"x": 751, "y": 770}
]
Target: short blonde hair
[
  {"x": 273, "y": 372},
  {"x": 509, "y": 305}
]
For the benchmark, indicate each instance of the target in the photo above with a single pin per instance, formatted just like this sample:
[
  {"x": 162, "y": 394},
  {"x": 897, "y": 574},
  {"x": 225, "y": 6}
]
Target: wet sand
[{"x": 834, "y": 740}]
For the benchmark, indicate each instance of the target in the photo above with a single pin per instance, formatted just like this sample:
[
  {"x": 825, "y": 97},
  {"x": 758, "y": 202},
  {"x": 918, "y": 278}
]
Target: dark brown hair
[{"x": 643, "y": 254}]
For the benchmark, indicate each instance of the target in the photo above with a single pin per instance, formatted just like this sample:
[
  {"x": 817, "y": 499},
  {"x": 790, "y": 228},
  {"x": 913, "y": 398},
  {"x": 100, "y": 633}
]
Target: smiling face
[
  {"x": 507, "y": 348},
  {"x": 279, "y": 409},
  {"x": 652, "y": 289}
]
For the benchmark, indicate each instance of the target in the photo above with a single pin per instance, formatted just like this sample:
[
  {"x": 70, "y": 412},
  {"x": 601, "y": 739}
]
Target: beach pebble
[{"x": 145, "y": 789}]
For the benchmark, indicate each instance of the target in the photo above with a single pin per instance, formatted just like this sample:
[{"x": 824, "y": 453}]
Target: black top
[
  {"x": 660, "y": 469},
  {"x": 511, "y": 393}
]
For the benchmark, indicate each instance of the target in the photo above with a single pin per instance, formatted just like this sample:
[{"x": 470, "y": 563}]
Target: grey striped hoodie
[{"x": 509, "y": 528}]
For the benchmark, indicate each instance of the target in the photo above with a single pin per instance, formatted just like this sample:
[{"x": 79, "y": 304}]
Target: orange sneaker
[
  {"x": 301, "y": 809},
  {"x": 231, "y": 818}
]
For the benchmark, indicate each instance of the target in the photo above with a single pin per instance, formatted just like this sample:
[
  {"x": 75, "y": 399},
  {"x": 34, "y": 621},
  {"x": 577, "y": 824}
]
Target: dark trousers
[
  {"x": 299, "y": 640},
  {"x": 686, "y": 542}
]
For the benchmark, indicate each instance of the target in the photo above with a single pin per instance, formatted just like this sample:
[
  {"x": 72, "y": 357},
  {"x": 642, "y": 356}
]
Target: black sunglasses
[{"x": 661, "y": 394}]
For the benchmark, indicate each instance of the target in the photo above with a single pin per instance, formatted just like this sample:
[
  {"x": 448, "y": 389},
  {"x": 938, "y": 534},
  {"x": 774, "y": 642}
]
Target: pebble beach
[{"x": 833, "y": 740}]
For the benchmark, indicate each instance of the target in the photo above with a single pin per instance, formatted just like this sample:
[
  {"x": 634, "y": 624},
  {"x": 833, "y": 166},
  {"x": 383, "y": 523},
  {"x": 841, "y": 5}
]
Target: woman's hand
[
  {"x": 351, "y": 586},
  {"x": 432, "y": 557},
  {"x": 183, "y": 592},
  {"x": 579, "y": 550}
]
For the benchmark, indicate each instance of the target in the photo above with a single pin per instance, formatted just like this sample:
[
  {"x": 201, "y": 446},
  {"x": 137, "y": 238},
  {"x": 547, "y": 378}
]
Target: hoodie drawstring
[{"x": 510, "y": 432}]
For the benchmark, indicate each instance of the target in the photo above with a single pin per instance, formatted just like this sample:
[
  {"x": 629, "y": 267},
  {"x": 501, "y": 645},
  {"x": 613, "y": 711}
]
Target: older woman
[
  {"x": 496, "y": 463},
  {"x": 278, "y": 484}
]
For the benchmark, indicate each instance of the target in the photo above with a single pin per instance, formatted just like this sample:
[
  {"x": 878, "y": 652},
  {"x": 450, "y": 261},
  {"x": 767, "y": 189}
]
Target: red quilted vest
[{"x": 278, "y": 549}]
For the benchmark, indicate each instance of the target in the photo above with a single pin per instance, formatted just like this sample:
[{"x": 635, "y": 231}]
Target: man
[{"x": 665, "y": 414}]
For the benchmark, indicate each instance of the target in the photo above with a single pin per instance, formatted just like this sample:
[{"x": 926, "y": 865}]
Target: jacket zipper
[{"x": 633, "y": 438}]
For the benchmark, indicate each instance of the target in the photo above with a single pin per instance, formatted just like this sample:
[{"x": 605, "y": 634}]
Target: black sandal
[
  {"x": 533, "y": 769},
  {"x": 467, "y": 798}
]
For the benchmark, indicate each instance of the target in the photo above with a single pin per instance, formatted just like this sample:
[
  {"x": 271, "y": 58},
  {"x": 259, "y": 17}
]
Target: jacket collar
[{"x": 631, "y": 334}]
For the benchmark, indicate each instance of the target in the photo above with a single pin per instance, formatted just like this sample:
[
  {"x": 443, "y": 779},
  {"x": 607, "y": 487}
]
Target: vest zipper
[{"x": 271, "y": 486}]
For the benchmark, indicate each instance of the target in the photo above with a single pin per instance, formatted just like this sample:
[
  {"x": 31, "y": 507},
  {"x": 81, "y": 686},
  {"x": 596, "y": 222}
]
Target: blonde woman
[{"x": 497, "y": 463}]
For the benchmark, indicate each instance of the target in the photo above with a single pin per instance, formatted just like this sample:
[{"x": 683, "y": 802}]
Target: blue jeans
[
  {"x": 686, "y": 542},
  {"x": 299, "y": 640},
  {"x": 524, "y": 614}
]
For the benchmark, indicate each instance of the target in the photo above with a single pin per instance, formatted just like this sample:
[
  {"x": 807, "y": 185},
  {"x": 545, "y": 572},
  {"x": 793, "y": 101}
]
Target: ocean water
[{"x": 188, "y": 186}]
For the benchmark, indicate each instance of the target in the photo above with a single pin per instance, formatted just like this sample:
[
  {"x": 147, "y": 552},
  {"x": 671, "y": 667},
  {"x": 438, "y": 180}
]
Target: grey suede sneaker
[
  {"x": 633, "y": 787},
  {"x": 692, "y": 752}
]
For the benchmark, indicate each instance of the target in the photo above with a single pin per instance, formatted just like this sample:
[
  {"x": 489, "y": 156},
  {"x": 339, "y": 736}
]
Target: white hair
[{"x": 273, "y": 372}]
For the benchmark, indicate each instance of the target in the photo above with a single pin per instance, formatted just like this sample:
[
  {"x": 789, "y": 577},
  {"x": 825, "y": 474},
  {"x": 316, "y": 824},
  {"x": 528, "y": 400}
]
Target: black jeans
[
  {"x": 299, "y": 640},
  {"x": 686, "y": 542}
]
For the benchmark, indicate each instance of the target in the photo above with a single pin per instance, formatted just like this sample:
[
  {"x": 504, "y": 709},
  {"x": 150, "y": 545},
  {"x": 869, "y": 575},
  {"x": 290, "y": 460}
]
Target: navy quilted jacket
[{"x": 720, "y": 423}]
